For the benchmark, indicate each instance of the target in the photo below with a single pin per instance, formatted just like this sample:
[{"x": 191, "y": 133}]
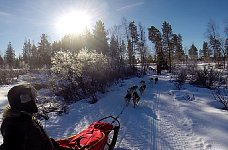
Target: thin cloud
[
  {"x": 4, "y": 13},
  {"x": 130, "y": 6}
]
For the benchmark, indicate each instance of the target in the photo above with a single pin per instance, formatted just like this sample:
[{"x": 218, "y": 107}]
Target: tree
[
  {"x": 226, "y": 29},
  {"x": 66, "y": 43},
  {"x": 114, "y": 48},
  {"x": 125, "y": 28},
  {"x": 88, "y": 40},
  {"x": 56, "y": 47},
  {"x": 117, "y": 49},
  {"x": 44, "y": 51},
  {"x": 18, "y": 62},
  {"x": 224, "y": 50},
  {"x": 133, "y": 39},
  {"x": 100, "y": 38},
  {"x": 10, "y": 56},
  {"x": 226, "y": 46},
  {"x": 122, "y": 49},
  {"x": 130, "y": 53},
  {"x": 73, "y": 67},
  {"x": 122, "y": 52},
  {"x": 141, "y": 45},
  {"x": 180, "y": 51},
  {"x": 216, "y": 46},
  {"x": 193, "y": 55},
  {"x": 166, "y": 42},
  {"x": 26, "y": 51},
  {"x": 214, "y": 40},
  {"x": 155, "y": 37},
  {"x": 150, "y": 59},
  {"x": 176, "y": 42},
  {"x": 1, "y": 61},
  {"x": 206, "y": 52},
  {"x": 34, "y": 61},
  {"x": 126, "y": 45},
  {"x": 193, "y": 52},
  {"x": 117, "y": 42}
]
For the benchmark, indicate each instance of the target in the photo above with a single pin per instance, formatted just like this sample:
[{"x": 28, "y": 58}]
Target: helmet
[{"x": 22, "y": 98}]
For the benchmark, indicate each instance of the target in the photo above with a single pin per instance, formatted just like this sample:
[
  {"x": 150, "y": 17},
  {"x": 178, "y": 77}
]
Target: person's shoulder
[{"x": 15, "y": 118}]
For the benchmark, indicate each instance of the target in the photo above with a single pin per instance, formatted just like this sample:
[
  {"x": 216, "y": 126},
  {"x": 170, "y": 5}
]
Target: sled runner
[{"x": 94, "y": 137}]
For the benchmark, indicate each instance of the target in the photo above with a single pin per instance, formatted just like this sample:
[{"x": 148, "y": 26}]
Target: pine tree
[
  {"x": 225, "y": 52},
  {"x": 18, "y": 62},
  {"x": 141, "y": 45},
  {"x": 44, "y": 52},
  {"x": 193, "y": 55},
  {"x": 206, "y": 52},
  {"x": 226, "y": 30},
  {"x": 155, "y": 37},
  {"x": 193, "y": 52},
  {"x": 134, "y": 39},
  {"x": 214, "y": 40},
  {"x": 125, "y": 29},
  {"x": 10, "y": 56},
  {"x": 114, "y": 48},
  {"x": 166, "y": 42},
  {"x": 34, "y": 61},
  {"x": 88, "y": 40},
  {"x": 122, "y": 49},
  {"x": 122, "y": 52},
  {"x": 26, "y": 51},
  {"x": 100, "y": 38},
  {"x": 1, "y": 61},
  {"x": 130, "y": 53},
  {"x": 216, "y": 46},
  {"x": 226, "y": 46},
  {"x": 56, "y": 47},
  {"x": 177, "y": 48}
]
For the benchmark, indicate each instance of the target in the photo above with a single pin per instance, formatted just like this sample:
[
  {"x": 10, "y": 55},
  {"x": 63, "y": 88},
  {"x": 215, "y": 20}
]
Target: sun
[{"x": 74, "y": 22}]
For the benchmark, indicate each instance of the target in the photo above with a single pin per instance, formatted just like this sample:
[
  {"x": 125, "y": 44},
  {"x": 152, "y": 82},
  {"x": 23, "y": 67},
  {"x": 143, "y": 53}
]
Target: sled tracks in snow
[
  {"x": 175, "y": 129},
  {"x": 154, "y": 125},
  {"x": 162, "y": 126}
]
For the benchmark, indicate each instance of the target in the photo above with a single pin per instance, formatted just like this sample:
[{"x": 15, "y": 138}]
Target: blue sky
[{"x": 28, "y": 19}]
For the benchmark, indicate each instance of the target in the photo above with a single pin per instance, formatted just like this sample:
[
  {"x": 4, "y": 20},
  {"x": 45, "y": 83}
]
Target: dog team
[
  {"x": 155, "y": 80},
  {"x": 133, "y": 95}
]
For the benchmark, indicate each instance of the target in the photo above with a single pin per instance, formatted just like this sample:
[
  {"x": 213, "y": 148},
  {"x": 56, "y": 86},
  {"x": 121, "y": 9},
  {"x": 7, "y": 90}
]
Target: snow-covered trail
[
  {"x": 175, "y": 128},
  {"x": 156, "y": 124},
  {"x": 159, "y": 123}
]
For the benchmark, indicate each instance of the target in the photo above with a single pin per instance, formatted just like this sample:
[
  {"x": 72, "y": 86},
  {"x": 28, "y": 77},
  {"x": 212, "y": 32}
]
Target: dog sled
[{"x": 100, "y": 135}]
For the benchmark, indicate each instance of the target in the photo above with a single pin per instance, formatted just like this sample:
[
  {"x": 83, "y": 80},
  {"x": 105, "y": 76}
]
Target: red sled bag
[{"x": 94, "y": 137}]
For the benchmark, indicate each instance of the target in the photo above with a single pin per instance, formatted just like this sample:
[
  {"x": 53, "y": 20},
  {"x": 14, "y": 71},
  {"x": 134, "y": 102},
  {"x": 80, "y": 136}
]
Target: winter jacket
[{"x": 21, "y": 131}]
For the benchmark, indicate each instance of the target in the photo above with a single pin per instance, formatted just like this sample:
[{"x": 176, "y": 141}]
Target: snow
[{"x": 165, "y": 119}]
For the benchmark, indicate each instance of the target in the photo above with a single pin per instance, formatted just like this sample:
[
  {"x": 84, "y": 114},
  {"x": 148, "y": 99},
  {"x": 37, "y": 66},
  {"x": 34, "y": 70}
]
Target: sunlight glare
[{"x": 73, "y": 23}]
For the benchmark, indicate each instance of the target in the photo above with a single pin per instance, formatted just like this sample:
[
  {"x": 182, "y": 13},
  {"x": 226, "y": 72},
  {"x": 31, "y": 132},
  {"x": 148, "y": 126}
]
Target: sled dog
[
  {"x": 142, "y": 87},
  {"x": 134, "y": 88},
  {"x": 127, "y": 97},
  {"x": 156, "y": 80},
  {"x": 135, "y": 98}
]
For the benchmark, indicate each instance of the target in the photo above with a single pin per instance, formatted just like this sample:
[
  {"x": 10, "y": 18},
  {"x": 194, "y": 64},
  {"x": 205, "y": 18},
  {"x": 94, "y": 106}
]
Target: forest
[{"x": 80, "y": 65}]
